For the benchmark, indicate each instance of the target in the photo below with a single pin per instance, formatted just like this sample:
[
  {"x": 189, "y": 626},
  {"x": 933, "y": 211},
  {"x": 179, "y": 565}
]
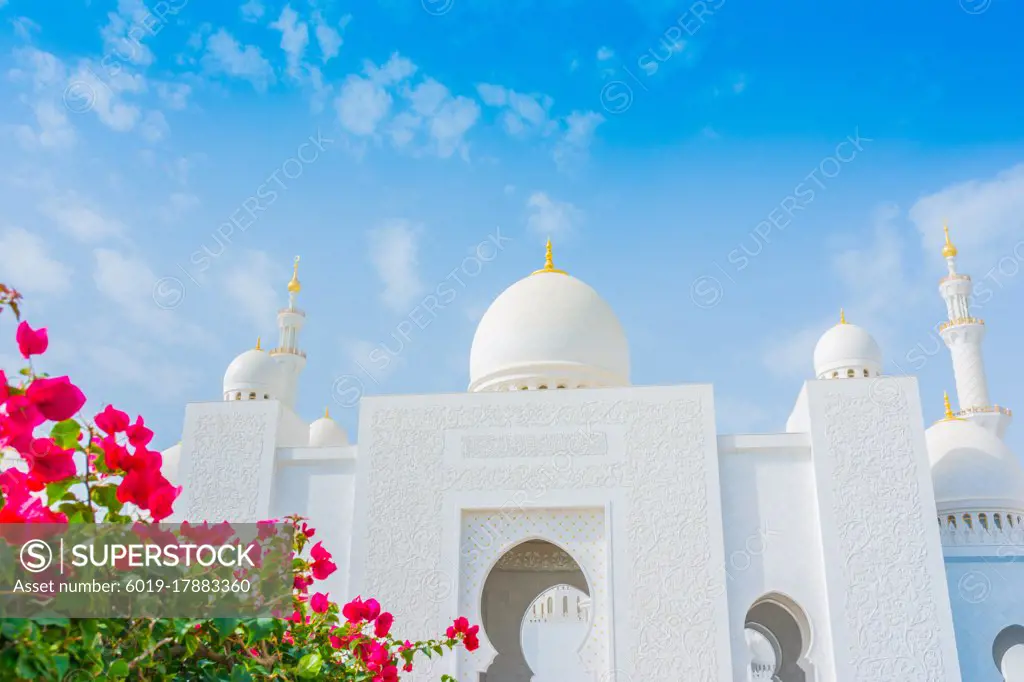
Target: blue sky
[{"x": 653, "y": 141}]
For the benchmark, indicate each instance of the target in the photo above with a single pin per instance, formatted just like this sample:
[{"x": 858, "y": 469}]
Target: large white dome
[
  {"x": 847, "y": 348},
  {"x": 549, "y": 330},
  {"x": 973, "y": 468},
  {"x": 253, "y": 375}
]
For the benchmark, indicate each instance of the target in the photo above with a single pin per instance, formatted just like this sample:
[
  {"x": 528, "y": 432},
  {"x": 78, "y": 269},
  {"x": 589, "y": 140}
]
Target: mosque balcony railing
[
  {"x": 985, "y": 409},
  {"x": 987, "y": 528},
  {"x": 280, "y": 350},
  {"x": 955, "y": 278},
  {"x": 294, "y": 311},
  {"x": 960, "y": 321}
]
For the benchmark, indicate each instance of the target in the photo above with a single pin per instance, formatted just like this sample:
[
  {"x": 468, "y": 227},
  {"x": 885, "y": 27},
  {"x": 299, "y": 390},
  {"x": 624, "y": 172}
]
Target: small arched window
[
  {"x": 565, "y": 605},
  {"x": 252, "y": 395},
  {"x": 266, "y": 396},
  {"x": 542, "y": 387},
  {"x": 238, "y": 396},
  {"x": 983, "y": 520},
  {"x": 866, "y": 373},
  {"x": 951, "y": 521},
  {"x": 551, "y": 605},
  {"x": 967, "y": 522},
  {"x": 1009, "y": 520},
  {"x": 850, "y": 373},
  {"x": 999, "y": 521}
]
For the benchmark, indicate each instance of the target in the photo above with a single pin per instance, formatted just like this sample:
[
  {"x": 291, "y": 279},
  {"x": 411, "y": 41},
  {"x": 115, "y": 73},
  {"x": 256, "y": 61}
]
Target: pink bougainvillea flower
[
  {"x": 114, "y": 456},
  {"x": 319, "y": 602},
  {"x": 372, "y": 607},
  {"x": 205, "y": 534},
  {"x": 47, "y": 462},
  {"x": 161, "y": 501},
  {"x": 139, "y": 435},
  {"x": 22, "y": 415},
  {"x": 57, "y": 399},
  {"x": 31, "y": 341},
  {"x": 382, "y": 626},
  {"x": 19, "y": 505},
  {"x": 322, "y": 565},
  {"x": 301, "y": 583},
  {"x": 112, "y": 421},
  {"x": 4, "y": 388},
  {"x": 354, "y": 611},
  {"x": 307, "y": 530}
]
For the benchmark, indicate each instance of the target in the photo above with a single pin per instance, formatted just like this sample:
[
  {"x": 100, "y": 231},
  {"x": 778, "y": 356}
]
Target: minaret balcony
[
  {"x": 293, "y": 311},
  {"x": 955, "y": 278},
  {"x": 985, "y": 409},
  {"x": 959, "y": 322}
]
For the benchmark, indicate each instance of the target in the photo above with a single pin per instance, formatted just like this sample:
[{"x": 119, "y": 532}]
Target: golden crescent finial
[
  {"x": 293, "y": 286},
  {"x": 258, "y": 343},
  {"x": 842, "y": 316},
  {"x": 948, "y": 250},
  {"x": 549, "y": 263},
  {"x": 327, "y": 413}
]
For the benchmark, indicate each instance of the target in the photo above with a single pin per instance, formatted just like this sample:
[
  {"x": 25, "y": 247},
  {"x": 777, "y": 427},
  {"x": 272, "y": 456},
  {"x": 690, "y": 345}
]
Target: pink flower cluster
[{"x": 44, "y": 399}]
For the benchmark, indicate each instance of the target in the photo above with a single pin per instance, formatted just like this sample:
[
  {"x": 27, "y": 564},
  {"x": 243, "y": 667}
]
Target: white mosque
[{"x": 604, "y": 532}]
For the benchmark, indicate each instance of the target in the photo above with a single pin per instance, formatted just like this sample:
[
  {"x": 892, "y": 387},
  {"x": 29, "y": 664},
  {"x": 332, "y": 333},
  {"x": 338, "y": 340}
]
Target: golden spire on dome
[
  {"x": 258, "y": 343},
  {"x": 948, "y": 250},
  {"x": 842, "y": 316},
  {"x": 327, "y": 413},
  {"x": 949, "y": 416},
  {"x": 549, "y": 264},
  {"x": 293, "y": 286}
]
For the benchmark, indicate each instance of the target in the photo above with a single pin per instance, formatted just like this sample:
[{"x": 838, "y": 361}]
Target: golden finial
[
  {"x": 842, "y": 316},
  {"x": 948, "y": 251},
  {"x": 327, "y": 413},
  {"x": 949, "y": 416},
  {"x": 258, "y": 343},
  {"x": 293, "y": 286},
  {"x": 549, "y": 263}
]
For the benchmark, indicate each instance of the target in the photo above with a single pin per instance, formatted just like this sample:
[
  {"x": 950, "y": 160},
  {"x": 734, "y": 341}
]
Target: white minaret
[
  {"x": 963, "y": 335},
  {"x": 287, "y": 353}
]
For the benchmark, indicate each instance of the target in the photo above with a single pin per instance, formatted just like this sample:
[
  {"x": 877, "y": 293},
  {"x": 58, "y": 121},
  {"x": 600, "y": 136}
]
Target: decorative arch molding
[
  {"x": 798, "y": 617},
  {"x": 487, "y": 537}
]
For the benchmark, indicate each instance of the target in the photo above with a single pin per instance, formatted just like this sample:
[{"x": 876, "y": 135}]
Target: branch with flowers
[{"x": 102, "y": 471}]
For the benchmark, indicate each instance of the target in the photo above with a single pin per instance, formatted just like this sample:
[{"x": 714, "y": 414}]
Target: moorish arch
[
  {"x": 776, "y": 622},
  {"x": 507, "y": 561},
  {"x": 1008, "y": 653}
]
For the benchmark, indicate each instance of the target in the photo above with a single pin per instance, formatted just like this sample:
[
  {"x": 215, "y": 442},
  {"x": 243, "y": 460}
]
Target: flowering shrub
[{"x": 104, "y": 472}]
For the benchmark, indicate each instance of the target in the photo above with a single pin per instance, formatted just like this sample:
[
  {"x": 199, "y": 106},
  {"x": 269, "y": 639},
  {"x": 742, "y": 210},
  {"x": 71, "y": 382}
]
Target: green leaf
[
  {"x": 240, "y": 674},
  {"x": 118, "y": 670},
  {"x": 60, "y": 622},
  {"x": 106, "y": 496},
  {"x": 62, "y": 662},
  {"x": 55, "y": 492},
  {"x": 225, "y": 626},
  {"x": 66, "y": 433},
  {"x": 309, "y": 665}
]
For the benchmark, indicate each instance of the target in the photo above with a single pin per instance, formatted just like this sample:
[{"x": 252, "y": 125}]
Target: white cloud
[
  {"x": 362, "y": 105},
  {"x": 226, "y": 55},
  {"x": 102, "y": 93},
  {"x": 27, "y": 266},
  {"x": 129, "y": 283},
  {"x": 142, "y": 367},
  {"x": 394, "y": 253},
  {"x": 294, "y": 39},
  {"x": 327, "y": 37},
  {"x": 604, "y": 54},
  {"x": 174, "y": 95},
  {"x": 123, "y": 35},
  {"x": 251, "y": 287},
  {"x": 154, "y": 126},
  {"x": 551, "y": 218},
  {"x": 574, "y": 144},
  {"x": 77, "y": 218},
  {"x": 24, "y": 27},
  {"x": 492, "y": 95},
  {"x": 53, "y": 130},
  {"x": 984, "y": 215},
  {"x": 396, "y": 70},
  {"x": 252, "y": 11},
  {"x": 179, "y": 204},
  {"x": 46, "y": 76}
]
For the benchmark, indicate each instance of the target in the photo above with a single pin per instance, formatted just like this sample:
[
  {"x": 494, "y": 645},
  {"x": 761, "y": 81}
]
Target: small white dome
[
  {"x": 972, "y": 468},
  {"x": 552, "y": 330},
  {"x": 325, "y": 433},
  {"x": 762, "y": 653},
  {"x": 846, "y": 347},
  {"x": 253, "y": 375}
]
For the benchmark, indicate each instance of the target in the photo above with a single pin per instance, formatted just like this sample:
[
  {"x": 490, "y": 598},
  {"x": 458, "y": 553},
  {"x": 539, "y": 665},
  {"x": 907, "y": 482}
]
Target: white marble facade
[{"x": 852, "y": 546}]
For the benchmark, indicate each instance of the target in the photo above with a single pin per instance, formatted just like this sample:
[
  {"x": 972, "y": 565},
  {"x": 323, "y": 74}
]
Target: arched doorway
[
  {"x": 778, "y": 636},
  {"x": 1008, "y": 653},
  {"x": 554, "y": 628},
  {"x": 535, "y": 573}
]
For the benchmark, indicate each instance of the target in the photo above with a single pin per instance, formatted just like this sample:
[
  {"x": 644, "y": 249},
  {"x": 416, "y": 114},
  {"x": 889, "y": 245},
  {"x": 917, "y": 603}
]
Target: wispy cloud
[{"x": 394, "y": 253}]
